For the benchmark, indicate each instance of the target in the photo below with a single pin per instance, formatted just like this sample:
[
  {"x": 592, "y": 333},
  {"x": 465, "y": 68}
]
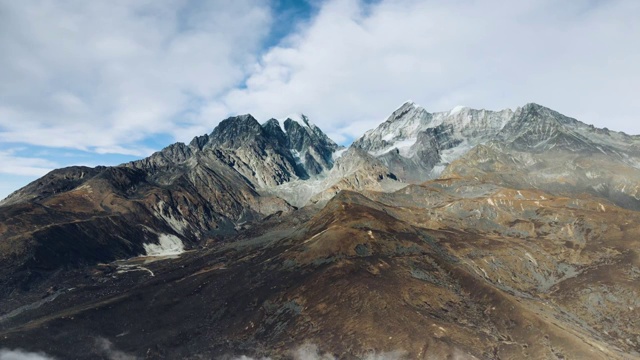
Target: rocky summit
[{"x": 466, "y": 234}]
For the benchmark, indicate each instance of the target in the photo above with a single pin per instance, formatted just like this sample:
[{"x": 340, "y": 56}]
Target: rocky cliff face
[
  {"x": 417, "y": 145},
  {"x": 204, "y": 190},
  {"x": 531, "y": 147},
  {"x": 311, "y": 146},
  {"x": 272, "y": 153},
  {"x": 543, "y": 149}
]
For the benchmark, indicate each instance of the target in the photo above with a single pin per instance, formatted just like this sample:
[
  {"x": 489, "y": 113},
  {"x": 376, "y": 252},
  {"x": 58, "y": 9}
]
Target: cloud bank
[
  {"x": 356, "y": 62},
  {"x": 6, "y": 354},
  {"x": 104, "y": 76},
  {"x": 124, "y": 77},
  {"x": 102, "y": 346},
  {"x": 110, "y": 352}
]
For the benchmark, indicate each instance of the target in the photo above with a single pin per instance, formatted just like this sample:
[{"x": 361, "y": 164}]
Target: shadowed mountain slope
[{"x": 530, "y": 278}]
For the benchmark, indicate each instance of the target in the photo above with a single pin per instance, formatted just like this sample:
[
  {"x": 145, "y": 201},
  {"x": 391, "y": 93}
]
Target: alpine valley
[{"x": 467, "y": 234}]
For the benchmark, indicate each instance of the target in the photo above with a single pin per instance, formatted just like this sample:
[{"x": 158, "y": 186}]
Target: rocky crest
[
  {"x": 206, "y": 189},
  {"x": 528, "y": 148},
  {"x": 417, "y": 145}
]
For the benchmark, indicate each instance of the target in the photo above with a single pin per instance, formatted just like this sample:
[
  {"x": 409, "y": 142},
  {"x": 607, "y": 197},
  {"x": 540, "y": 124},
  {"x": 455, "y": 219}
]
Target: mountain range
[{"x": 466, "y": 234}]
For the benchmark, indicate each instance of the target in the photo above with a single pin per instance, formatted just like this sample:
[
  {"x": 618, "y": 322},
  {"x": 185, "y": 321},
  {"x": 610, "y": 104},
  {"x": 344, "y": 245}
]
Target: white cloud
[
  {"x": 356, "y": 62},
  {"x": 101, "y": 76},
  {"x": 6, "y": 354},
  {"x": 310, "y": 351},
  {"x": 104, "y": 346},
  {"x": 25, "y": 166},
  {"x": 106, "y": 74},
  {"x": 111, "y": 353}
]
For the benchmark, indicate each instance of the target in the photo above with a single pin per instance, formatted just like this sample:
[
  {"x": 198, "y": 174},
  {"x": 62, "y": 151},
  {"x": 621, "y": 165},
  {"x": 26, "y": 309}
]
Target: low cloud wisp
[
  {"x": 7, "y": 354},
  {"x": 311, "y": 351}
]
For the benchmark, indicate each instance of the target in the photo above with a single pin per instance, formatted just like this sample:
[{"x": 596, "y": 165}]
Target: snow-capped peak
[
  {"x": 301, "y": 119},
  {"x": 306, "y": 120},
  {"x": 407, "y": 106},
  {"x": 445, "y": 136}
]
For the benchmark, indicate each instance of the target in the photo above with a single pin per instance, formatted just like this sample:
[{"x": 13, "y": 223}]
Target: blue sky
[{"x": 105, "y": 82}]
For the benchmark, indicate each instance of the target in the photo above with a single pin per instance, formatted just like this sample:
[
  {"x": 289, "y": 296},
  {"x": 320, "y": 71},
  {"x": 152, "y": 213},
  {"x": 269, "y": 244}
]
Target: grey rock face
[
  {"x": 313, "y": 148},
  {"x": 57, "y": 181},
  {"x": 272, "y": 153},
  {"x": 537, "y": 129},
  {"x": 533, "y": 147},
  {"x": 418, "y": 145},
  {"x": 206, "y": 189}
]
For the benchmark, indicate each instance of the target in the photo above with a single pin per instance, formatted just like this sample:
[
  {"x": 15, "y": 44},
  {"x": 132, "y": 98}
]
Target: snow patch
[
  {"x": 179, "y": 225},
  {"x": 338, "y": 153},
  {"x": 305, "y": 119},
  {"x": 592, "y": 175},
  {"x": 455, "y": 153},
  {"x": 403, "y": 146},
  {"x": 296, "y": 156},
  {"x": 456, "y": 110},
  {"x": 437, "y": 170},
  {"x": 129, "y": 268},
  {"x": 301, "y": 119},
  {"x": 167, "y": 245}
]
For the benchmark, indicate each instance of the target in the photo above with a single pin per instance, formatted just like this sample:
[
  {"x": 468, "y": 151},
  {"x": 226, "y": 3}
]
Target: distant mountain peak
[
  {"x": 411, "y": 134},
  {"x": 408, "y": 109},
  {"x": 409, "y": 103},
  {"x": 301, "y": 119},
  {"x": 536, "y": 106},
  {"x": 271, "y": 122}
]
